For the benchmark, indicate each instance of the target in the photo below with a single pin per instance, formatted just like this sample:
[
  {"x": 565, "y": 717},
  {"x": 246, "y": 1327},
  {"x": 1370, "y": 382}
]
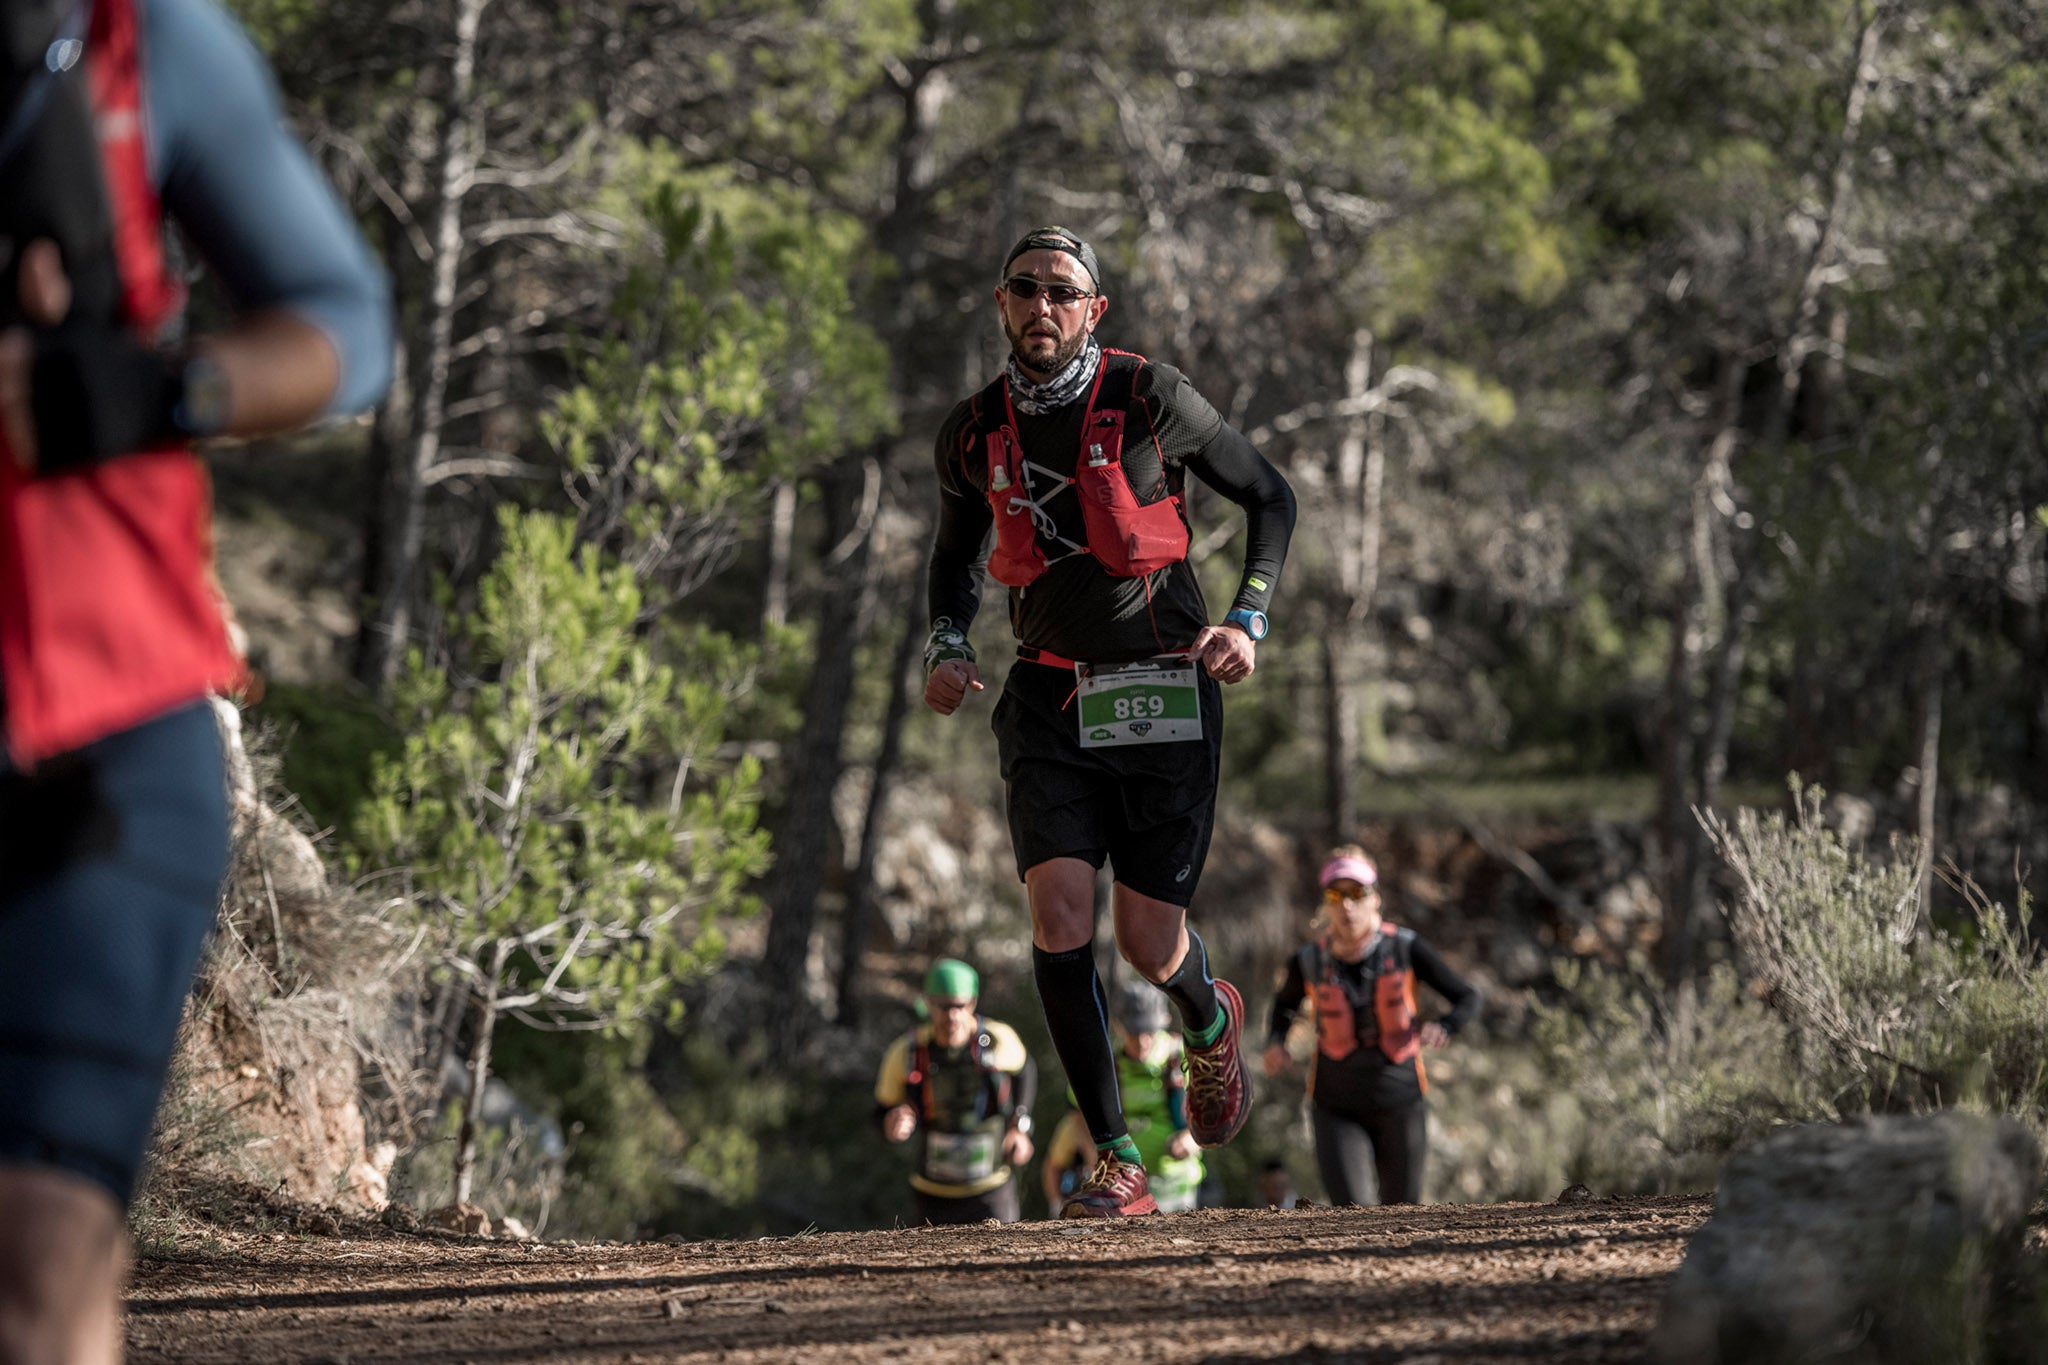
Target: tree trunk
[
  {"x": 1928, "y": 688},
  {"x": 1340, "y": 741},
  {"x": 925, "y": 89},
  {"x": 781, "y": 536},
  {"x": 860, "y": 894},
  {"x": 1684, "y": 741},
  {"x": 1724, "y": 688},
  {"x": 1359, "y": 474},
  {"x": 805, "y": 834},
  {"x": 394, "y": 575},
  {"x": 1674, "y": 766},
  {"x": 479, "y": 1069}
]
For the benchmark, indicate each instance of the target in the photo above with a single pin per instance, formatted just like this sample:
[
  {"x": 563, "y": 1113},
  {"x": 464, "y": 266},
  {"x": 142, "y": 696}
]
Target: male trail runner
[
  {"x": 962, "y": 1085},
  {"x": 1110, "y": 728}
]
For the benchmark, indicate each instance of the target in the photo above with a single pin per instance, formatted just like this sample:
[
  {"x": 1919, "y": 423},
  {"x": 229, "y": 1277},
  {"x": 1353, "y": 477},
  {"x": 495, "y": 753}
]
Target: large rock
[{"x": 1879, "y": 1240}]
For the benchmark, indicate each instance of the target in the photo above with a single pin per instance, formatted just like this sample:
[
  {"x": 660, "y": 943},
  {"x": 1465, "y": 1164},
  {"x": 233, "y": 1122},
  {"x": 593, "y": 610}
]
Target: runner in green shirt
[{"x": 1153, "y": 1085}]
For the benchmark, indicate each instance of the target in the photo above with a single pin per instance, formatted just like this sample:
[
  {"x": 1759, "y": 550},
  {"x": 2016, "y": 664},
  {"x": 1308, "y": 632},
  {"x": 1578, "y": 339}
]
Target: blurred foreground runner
[{"x": 113, "y": 805}]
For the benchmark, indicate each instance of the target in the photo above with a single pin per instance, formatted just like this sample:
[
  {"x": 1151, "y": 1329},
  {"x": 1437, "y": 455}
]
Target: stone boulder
[
  {"x": 1880, "y": 1240},
  {"x": 464, "y": 1218}
]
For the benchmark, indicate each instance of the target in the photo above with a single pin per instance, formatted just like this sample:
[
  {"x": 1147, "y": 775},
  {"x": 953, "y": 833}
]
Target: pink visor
[{"x": 1348, "y": 869}]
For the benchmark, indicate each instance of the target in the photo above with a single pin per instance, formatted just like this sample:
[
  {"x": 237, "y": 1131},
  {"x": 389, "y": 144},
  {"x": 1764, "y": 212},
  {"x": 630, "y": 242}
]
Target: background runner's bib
[
  {"x": 1149, "y": 702},
  {"x": 960, "y": 1158}
]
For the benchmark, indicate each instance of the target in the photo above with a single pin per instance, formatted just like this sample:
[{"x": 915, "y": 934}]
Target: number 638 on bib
[{"x": 1150, "y": 702}]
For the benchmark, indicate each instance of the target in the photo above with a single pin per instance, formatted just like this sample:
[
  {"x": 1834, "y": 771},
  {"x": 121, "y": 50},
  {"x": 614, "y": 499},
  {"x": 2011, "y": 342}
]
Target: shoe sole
[
  {"x": 1244, "y": 1110},
  {"x": 1076, "y": 1209}
]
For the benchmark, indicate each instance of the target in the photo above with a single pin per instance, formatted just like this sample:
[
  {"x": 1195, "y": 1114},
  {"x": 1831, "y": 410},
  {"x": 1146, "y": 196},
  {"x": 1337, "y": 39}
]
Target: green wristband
[{"x": 947, "y": 641}]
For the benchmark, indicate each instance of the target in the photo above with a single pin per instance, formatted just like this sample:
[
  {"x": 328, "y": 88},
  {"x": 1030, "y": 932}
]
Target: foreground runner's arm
[
  {"x": 250, "y": 199},
  {"x": 261, "y": 213},
  {"x": 311, "y": 331},
  {"x": 1231, "y": 465},
  {"x": 953, "y": 589}
]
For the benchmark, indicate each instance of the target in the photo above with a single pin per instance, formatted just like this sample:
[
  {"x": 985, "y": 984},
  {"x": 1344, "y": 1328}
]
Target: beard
[{"x": 1047, "y": 355}]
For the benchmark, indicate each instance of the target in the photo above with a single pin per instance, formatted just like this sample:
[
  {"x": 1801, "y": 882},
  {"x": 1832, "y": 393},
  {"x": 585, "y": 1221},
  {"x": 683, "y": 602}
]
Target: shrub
[
  {"x": 1657, "y": 1095},
  {"x": 1896, "y": 1014}
]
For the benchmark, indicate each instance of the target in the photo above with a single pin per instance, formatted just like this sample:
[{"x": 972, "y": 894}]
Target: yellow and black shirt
[{"x": 965, "y": 1098}]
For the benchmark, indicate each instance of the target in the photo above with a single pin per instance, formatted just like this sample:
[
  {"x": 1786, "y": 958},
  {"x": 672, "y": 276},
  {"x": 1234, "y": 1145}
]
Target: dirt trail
[{"x": 1422, "y": 1286}]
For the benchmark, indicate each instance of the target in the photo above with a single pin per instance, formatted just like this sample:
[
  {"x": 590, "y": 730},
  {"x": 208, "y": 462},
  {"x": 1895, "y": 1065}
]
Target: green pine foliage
[
  {"x": 557, "y": 817},
  {"x": 733, "y": 359},
  {"x": 544, "y": 815}
]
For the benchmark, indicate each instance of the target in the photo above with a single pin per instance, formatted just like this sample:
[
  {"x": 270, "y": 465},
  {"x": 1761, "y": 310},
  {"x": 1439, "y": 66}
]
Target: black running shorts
[
  {"x": 1147, "y": 808},
  {"x": 111, "y": 859}
]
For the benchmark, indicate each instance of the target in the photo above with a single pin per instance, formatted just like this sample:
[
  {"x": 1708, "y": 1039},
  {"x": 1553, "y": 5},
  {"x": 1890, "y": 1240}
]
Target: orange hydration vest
[
  {"x": 1393, "y": 999},
  {"x": 109, "y": 612},
  {"x": 1128, "y": 538}
]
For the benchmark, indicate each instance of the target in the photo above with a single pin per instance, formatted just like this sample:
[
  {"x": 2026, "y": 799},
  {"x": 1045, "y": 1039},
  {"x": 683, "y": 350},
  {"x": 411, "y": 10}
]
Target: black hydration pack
[
  {"x": 51, "y": 184},
  {"x": 99, "y": 391}
]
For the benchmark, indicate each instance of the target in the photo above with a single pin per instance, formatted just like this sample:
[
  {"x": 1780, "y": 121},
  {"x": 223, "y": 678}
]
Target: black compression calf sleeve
[
  {"x": 99, "y": 393},
  {"x": 1077, "y": 1016},
  {"x": 1193, "y": 989}
]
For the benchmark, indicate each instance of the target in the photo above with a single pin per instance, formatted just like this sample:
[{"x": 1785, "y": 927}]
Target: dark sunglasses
[{"x": 1060, "y": 295}]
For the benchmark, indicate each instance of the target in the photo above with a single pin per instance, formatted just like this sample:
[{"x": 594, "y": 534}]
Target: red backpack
[{"x": 109, "y": 612}]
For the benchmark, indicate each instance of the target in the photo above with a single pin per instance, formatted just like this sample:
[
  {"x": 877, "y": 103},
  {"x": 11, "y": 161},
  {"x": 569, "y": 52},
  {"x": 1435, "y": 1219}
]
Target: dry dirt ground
[{"x": 1438, "y": 1285}]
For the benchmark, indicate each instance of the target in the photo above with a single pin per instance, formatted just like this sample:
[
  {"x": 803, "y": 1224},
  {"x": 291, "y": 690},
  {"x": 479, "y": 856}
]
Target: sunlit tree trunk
[
  {"x": 1358, "y": 476},
  {"x": 394, "y": 577},
  {"x": 1724, "y": 537},
  {"x": 1340, "y": 742},
  {"x": 1699, "y": 591},
  {"x": 1927, "y": 687},
  {"x": 781, "y": 538},
  {"x": 478, "y": 1068}
]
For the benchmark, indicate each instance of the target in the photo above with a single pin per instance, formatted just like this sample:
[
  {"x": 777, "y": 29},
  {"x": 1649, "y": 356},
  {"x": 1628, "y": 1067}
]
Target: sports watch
[
  {"x": 1252, "y": 623},
  {"x": 201, "y": 407}
]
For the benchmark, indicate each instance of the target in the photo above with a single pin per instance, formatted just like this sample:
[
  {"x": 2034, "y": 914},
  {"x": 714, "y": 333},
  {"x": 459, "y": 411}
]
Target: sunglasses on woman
[{"x": 1060, "y": 295}]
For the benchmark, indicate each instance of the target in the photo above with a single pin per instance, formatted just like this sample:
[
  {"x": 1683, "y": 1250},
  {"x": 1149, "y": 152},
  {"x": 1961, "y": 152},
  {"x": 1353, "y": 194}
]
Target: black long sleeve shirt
[{"x": 1077, "y": 608}]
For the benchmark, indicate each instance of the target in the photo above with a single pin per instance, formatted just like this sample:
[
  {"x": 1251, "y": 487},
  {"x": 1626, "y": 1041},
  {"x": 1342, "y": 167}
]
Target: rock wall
[{"x": 1883, "y": 1240}]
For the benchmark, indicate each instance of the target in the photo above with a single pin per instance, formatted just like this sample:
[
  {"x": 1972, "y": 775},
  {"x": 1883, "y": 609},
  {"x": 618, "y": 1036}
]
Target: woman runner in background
[{"x": 1366, "y": 1077}]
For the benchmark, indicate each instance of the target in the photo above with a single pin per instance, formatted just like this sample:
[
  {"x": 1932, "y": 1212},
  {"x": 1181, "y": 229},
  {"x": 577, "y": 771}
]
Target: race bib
[
  {"x": 1149, "y": 702},
  {"x": 960, "y": 1158}
]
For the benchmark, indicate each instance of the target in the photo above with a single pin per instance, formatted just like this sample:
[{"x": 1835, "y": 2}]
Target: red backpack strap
[{"x": 114, "y": 69}]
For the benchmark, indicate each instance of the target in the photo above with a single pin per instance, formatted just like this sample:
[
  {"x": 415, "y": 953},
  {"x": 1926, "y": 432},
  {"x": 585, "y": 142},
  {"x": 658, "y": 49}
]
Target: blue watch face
[{"x": 1254, "y": 622}]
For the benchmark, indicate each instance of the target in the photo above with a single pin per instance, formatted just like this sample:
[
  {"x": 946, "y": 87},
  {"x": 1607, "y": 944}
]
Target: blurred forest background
[{"x": 1663, "y": 383}]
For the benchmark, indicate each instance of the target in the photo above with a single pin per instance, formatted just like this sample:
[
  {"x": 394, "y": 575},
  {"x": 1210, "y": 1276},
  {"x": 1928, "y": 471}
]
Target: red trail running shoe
[
  {"x": 1117, "y": 1189},
  {"x": 1219, "y": 1095}
]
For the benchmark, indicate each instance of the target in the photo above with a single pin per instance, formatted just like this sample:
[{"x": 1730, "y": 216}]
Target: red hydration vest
[
  {"x": 1130, "y": 539},
  {"x": 1393, "y": 998},
  {"x": 109, "y": 612}
]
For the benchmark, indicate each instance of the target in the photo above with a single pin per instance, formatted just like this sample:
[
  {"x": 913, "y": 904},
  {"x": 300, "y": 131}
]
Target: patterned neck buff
[{"x": 1058, "y": 391}]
